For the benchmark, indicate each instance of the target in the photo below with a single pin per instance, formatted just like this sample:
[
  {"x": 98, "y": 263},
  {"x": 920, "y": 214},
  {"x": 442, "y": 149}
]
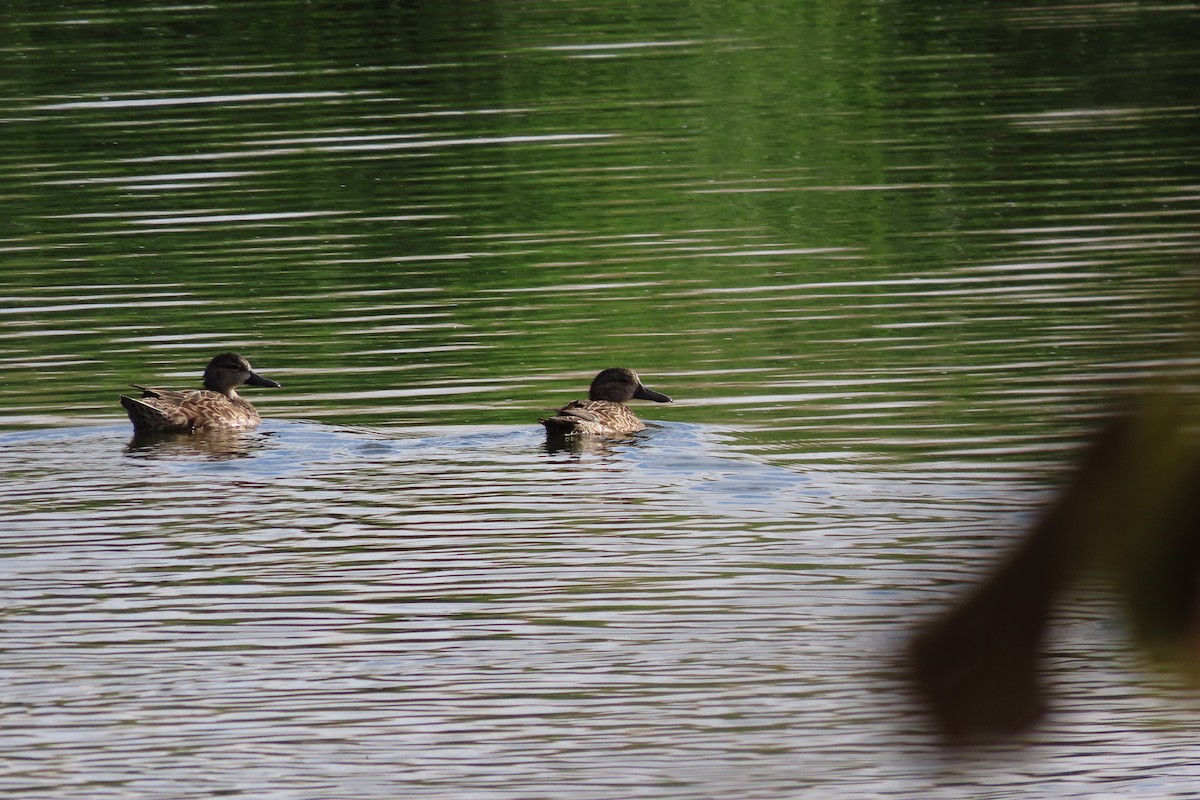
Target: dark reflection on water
[
  {"x": 889, "y": 263},
  {"x": 204, "y": 444},
  {"x": 557, "y": 443}
]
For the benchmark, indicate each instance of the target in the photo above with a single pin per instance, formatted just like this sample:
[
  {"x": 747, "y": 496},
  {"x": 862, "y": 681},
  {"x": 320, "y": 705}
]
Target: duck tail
[{"x": 148, "y": 417}]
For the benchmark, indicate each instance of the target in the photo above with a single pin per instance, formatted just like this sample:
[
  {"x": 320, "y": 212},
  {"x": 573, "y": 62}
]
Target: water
[{"x": 888, "y": 261}]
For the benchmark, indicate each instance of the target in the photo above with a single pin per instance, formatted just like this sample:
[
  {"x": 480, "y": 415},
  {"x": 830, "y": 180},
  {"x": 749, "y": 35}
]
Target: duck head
[
  {"x": 620, "y": 385},
  {"x": 228, "y": 371}
]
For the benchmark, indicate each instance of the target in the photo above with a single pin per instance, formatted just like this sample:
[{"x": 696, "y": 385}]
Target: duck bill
[
  {"x": 258, "y": 380},
  {"x": 642, "y": 393}
]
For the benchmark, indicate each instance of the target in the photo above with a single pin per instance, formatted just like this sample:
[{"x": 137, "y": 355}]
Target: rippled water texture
[{"x": 890, "y": 260}]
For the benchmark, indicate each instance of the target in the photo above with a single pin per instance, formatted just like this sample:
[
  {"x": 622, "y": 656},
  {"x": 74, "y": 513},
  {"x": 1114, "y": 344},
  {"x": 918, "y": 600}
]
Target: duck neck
[{"x": 228, "y": 391}]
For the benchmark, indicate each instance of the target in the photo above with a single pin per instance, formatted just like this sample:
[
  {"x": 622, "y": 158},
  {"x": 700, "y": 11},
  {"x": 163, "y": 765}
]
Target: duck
[
  {"x": 217, "y": 405},
  {"x": 604, "y": 413}
]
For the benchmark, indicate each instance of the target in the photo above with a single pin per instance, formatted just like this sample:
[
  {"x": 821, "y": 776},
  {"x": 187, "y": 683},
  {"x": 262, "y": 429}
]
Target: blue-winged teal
[
  {"x": 217, "y": 405},
  {"x": 604, "y": 412}
]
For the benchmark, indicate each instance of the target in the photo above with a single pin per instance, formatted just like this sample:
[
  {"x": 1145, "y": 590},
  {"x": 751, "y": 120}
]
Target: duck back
[
  {"x": 597, "y": 417},
  {"x": 172, "y": 410}
]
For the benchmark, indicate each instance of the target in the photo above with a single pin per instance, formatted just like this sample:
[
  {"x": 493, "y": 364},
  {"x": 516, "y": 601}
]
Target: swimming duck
[
  {"x": 217, "y": 405},
  {"x": 604, "y": 412}
]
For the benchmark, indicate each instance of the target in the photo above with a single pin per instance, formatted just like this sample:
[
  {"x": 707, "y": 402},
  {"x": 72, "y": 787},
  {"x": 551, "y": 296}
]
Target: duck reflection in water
[
  {"x": 604, "y": 447},
  {"x": 216, "y": 406},
  {"x": 1130, "y": 512},
  {"x": 204, "y": 444},
  {"x": 604, "y": 413}
]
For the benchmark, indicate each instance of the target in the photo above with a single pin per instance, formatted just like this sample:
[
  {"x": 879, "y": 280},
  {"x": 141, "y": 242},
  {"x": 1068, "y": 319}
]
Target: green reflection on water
[{"x": 934, "y": 211}]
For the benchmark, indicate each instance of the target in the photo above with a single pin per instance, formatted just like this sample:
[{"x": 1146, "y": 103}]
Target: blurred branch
[{"x": 1132, "y": 511}]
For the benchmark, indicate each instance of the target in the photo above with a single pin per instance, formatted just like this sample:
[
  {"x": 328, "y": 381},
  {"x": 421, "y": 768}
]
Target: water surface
[{"x": 890, "y": 261}]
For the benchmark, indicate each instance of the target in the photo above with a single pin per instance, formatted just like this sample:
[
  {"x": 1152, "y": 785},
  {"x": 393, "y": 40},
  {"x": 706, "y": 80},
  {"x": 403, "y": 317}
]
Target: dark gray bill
[
  {"x": 258, "y": 380},
  {"x": 642, "y": 393}
]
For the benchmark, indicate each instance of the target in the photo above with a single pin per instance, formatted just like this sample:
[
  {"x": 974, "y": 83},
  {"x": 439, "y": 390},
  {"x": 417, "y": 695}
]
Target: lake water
[{"x": 890, "y": 260}]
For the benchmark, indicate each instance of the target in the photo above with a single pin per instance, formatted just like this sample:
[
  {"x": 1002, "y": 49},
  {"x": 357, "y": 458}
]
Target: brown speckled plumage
[
  {"x": 604, "y": 413},
  {"x": 217, "y": 405}
]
